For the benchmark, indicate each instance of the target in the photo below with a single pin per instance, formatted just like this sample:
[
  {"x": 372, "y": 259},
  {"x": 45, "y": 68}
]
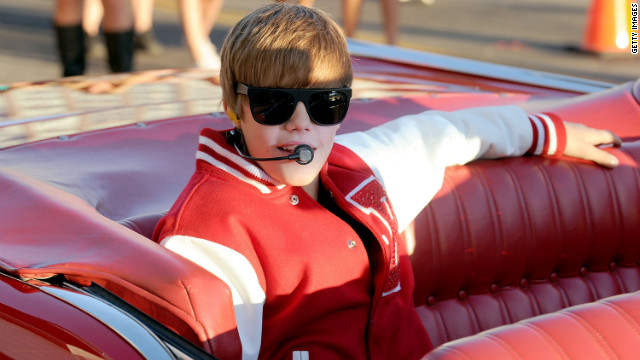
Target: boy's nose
[{"x": 300, "y": 119}]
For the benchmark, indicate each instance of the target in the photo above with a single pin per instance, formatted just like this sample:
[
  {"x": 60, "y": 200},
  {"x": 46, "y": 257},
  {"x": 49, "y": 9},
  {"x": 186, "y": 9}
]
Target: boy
[{"x": 302, "y": 229}]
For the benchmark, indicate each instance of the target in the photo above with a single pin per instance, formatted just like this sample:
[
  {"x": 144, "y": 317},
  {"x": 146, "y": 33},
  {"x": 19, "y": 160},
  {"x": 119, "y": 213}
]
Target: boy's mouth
[
  {"x": 287, "y": 149},
  {"x": 290, "y": 148}
]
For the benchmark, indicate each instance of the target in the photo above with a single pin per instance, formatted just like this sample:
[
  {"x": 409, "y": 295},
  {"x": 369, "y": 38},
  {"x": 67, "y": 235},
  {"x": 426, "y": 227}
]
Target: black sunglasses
[{"x": 274, "y": 106}]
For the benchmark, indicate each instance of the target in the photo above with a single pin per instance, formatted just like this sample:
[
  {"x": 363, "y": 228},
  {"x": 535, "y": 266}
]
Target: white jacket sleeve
[{"x": 409, "y": 155}]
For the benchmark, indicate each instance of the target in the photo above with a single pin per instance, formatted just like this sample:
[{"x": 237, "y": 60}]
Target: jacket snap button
[
  {"x": 294, "y": 200},
  {"x": 462, "y": 295},
  {"x": 553, "y": 277},
  {"x": 431, "y": 301},
  {"x": 494, "y": 288},
  {"x": 351, "y": 244},
  {"x": 524, "y": 283}
]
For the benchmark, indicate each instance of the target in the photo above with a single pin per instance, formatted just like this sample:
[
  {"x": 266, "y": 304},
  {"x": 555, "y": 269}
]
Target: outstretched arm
[{"x": 409, "y": 155}]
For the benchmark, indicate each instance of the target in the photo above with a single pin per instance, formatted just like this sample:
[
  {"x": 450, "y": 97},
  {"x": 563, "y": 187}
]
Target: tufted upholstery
[
  {"x": 607, "y": 329},
  {"x": 506, "y": 241}
]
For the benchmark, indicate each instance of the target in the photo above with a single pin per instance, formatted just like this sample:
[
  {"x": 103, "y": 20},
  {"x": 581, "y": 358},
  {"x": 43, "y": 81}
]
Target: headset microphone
[{"x": 302, "y": 154}]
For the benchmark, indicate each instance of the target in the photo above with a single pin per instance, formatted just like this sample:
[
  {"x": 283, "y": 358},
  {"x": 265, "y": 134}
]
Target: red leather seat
[
  {"x": 607, "y": 329},
  {"x": 505, "y": 241},
  {"x": 508, "y": 240}
]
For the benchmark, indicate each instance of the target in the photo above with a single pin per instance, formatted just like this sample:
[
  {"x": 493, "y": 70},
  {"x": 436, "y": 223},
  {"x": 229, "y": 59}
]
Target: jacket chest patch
[{"x": 371, "y": 199}]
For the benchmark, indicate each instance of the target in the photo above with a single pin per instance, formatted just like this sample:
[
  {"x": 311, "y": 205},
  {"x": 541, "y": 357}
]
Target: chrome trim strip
[
  {"x": 475, "y": 67},
  {"x": 131, "y": 330}
]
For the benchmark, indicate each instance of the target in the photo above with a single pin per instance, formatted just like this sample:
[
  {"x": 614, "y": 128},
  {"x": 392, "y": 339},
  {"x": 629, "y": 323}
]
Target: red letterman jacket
[
  {"x": 323, "y": 296},
  {"x": 305, "y": 285}
]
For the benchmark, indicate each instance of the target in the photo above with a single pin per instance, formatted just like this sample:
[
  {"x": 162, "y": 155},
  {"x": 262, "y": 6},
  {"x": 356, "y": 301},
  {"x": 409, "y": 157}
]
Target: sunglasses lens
[
  {"x": 328, "y": 107},
  {"x": 271, "y": 107},
  {"x": 276, "y": 106}
]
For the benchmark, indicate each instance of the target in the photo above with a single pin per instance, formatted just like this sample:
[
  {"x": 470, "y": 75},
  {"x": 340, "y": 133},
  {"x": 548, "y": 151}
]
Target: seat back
[
  {"x": 511, "y": 239},
  {"x": 504, "y": 241},
  {"x": 607, "y": 329}
]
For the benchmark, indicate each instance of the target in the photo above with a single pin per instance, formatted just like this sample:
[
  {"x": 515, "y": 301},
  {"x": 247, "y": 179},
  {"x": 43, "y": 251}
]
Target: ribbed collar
[{"x": 214, "y": 149}]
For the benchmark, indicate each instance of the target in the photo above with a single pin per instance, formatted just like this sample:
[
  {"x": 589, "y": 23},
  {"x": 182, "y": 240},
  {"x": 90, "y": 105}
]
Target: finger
[
  {"x": 617, "y": 141},
  {"x": 606, "y": 137},
  {"x": 601, "y": 157}
]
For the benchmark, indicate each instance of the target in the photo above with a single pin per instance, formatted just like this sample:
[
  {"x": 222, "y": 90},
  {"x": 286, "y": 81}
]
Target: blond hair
[{"x": 286, "y": 46}]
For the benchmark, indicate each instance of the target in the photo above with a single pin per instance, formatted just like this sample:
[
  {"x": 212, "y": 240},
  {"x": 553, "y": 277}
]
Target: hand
[{"x": 583, "y": 141}]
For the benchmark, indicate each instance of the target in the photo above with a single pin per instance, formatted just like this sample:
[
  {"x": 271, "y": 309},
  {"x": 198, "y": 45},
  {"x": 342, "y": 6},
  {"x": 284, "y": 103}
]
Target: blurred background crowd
[{"x": 46, "y": 39}]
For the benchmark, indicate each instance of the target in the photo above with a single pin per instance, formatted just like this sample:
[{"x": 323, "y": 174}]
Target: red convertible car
[{"x": 527, "y": 258}]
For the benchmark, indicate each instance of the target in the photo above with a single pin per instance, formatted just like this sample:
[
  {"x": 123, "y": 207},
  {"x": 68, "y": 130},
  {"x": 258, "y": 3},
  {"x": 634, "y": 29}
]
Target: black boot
[
  {"x": 120, "y": 50},
  {"x": 71, "y": 48}
]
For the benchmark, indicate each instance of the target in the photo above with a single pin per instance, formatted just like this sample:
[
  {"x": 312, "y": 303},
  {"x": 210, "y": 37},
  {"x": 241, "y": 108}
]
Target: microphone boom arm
[{"x": 302, "y": 154}]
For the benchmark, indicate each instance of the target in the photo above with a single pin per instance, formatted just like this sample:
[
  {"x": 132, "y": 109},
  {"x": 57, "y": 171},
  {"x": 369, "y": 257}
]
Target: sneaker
[{"x": 210, "y": 59}]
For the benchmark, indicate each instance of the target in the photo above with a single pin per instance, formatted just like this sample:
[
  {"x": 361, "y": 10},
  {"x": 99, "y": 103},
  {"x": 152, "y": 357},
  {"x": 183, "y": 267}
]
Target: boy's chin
[
  {"x": 294, "y": 174},
  {"x": 299, "y": 182}
]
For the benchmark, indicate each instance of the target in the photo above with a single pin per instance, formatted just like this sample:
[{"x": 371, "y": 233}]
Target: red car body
[{"x": 84, "y": 181}]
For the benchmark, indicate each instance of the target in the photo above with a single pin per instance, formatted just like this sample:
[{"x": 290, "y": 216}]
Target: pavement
[{"x": 543, "y": 35}]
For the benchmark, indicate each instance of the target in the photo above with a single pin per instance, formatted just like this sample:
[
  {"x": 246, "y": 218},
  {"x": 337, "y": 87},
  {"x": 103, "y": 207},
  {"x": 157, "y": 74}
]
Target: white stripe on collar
[{"x": 241, "y": 163}]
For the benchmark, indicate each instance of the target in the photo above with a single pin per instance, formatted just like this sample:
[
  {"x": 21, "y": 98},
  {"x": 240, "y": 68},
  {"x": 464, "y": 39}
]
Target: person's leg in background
[
  {"x": 144, "y": 37},
  {"x": 91, "y": 21},
  {"x": 198, "y": 19},
  {"x": 67, "y": 22},
  {"x": 389, "y": 10},
  {"x": 118, "y": 31},
  {"x": 351, "y": 16},
  {"x": 351, "y": 10}
]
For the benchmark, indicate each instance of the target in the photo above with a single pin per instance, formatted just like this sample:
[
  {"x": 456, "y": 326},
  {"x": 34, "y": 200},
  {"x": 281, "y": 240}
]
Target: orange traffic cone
[{"x": 608, "y": 27}]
